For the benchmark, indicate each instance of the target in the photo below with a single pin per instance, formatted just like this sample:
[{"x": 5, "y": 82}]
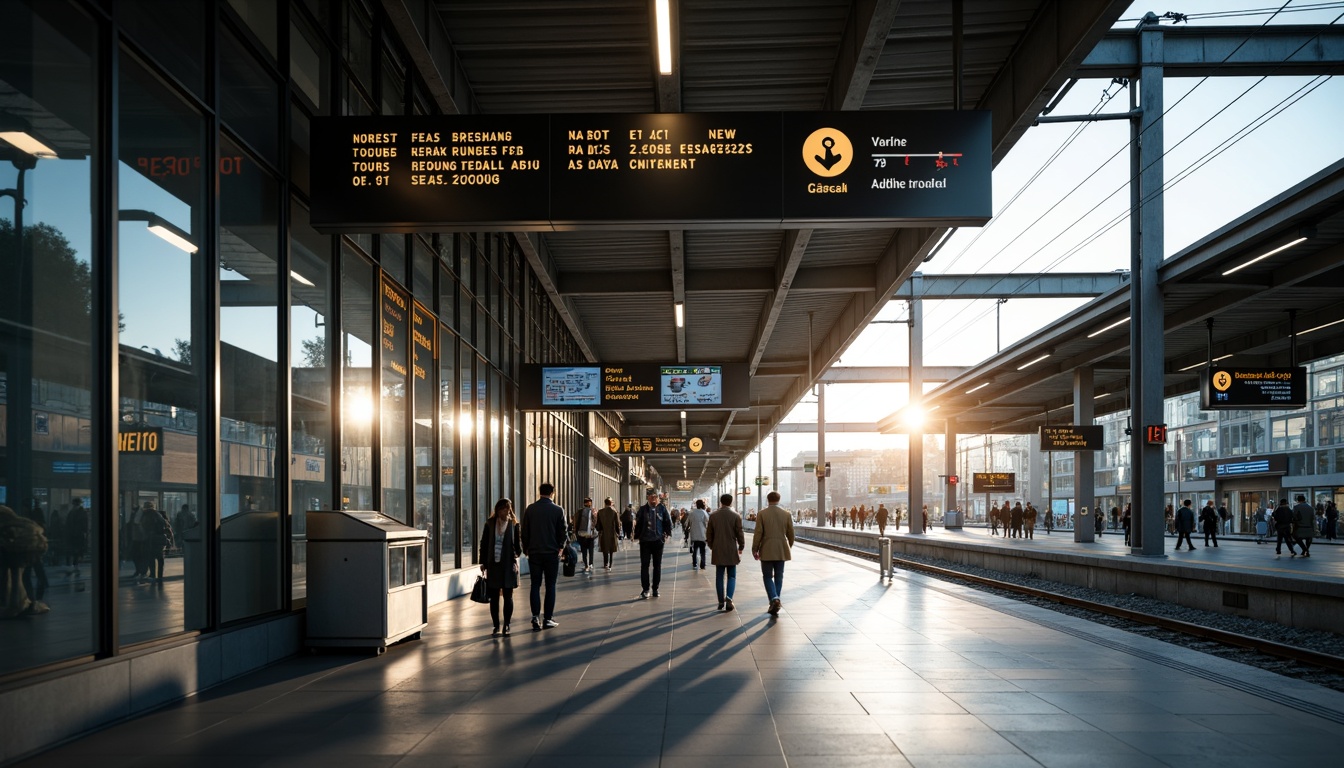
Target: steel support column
[
  {"x": 822, "y": 508},
  {"x": 1146, "y": 325},
  {"x": 916, "y": 405},
  {"x": 1084, "y": 462}
]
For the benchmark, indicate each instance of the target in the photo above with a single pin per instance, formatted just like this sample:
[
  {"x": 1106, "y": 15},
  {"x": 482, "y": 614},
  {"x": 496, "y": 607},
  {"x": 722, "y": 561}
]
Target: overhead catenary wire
[
  {"x": 1180, "y": 176},
  {"x": 945, "y": 331}
]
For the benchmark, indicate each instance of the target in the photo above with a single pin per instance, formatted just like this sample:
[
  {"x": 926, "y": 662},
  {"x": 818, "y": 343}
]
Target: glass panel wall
[
  {"x": 310, "y": 372},
  {"x": 448, "y": 405},
  {"x": 163, "y": 356},
  {"x": 48, "y": 71},
  {"x": 249, "y": 294},
  {"x": 358, "y": 409},
  {"x": 424, "y": 371},
  {"x": 394, "y": 325},
  {"x": 466, "y": 451}
]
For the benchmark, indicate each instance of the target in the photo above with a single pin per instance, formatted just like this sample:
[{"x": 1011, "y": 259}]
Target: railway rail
[{"x": 1261, "y": 645}]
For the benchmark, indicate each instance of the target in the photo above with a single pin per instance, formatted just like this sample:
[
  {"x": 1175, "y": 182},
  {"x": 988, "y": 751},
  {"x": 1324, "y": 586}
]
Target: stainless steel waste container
[
  {"x": 367, "y": 583},
  {"x": 884, "y": 556}
]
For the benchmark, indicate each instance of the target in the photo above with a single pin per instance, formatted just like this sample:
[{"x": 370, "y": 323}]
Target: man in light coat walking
[
  {"x": 772, "y": 544},
  {"x": 699, "y": 517}
]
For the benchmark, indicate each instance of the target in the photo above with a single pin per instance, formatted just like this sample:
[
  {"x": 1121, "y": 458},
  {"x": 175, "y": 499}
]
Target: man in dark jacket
[
  {"x": 1283, "y": 528},
  {"x": 1304, "y": 524},
  {"x": 543, "y": 534},
  {"x": 1185, "y": 524},
  {"x": 653, "y": 527}
]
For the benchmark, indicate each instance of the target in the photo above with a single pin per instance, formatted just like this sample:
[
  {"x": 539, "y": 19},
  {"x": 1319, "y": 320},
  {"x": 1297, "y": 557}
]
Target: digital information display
[
  {"x": 634, "y": 387},
  {"x": 1268, "y": 465},
  {"x": 566, "y": 386},
  {"x": 648, "y": 446},
  {"x": 993, "y": 482},
  {"x": 1272, "y": 389},
  {"x": 691, "y": 384},
  {"x": 402, "y": 173},
  {"x": 1072, "y": 437}
]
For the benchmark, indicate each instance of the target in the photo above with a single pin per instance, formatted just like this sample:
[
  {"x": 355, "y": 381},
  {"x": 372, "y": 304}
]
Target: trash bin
[
  {"x": 367, "y": 583},
  {"x": 884, "y": 557},
  {"x": 953, "y": 519}
]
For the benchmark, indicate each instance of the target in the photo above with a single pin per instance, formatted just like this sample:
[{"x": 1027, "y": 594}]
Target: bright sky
[{"x": 1059, "y": 222}]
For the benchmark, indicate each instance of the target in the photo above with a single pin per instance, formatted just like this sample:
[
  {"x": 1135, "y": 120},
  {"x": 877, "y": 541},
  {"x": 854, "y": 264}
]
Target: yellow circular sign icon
[
  {"x": 1222, "y": 381},
  {"x": 695, "y": 444},
  {"x": 613, "y": 444},
  {"x": 827, "y": 152}
]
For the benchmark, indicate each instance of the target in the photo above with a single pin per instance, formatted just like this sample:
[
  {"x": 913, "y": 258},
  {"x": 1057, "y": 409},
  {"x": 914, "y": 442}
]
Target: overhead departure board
[
  {"x": 542, "y": 172},
  {"x": 1072, "y": 437},
  {"x": 1253, "y": 388},
  {"x": 661, "y": 444},
  {"x": 633, "y": 387},
  {"x": 993, "y": 482}
]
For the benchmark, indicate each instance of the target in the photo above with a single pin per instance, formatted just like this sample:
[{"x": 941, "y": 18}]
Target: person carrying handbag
[{"x": 500, "y": 546}]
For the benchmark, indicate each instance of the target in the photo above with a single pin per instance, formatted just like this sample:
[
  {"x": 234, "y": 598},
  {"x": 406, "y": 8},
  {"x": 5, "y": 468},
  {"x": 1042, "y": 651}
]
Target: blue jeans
[
  {"x": 544, "y": 566},
  {"x": 719, "y": 571},
  {"x": 772, "y": 571}
]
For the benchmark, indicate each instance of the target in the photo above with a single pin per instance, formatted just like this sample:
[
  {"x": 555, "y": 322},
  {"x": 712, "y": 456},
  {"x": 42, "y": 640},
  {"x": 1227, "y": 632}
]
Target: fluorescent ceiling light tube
[
  {"x": 1030, "y": 363},
  {"x": 1206, "y": 362},
  {"x": 26, "y": 143},
  {"x": 977, "y": 388},
  {"x": 301, "y": 279},
  {"x": 1100, "y": 331},
  {"x": 1319, "y": 327},
  {"x": 1264, "y": 256},
  {"x": 663, "y": 18},
  {"x": 173, "y": 235},
  {"x": 680, "y": 310}
]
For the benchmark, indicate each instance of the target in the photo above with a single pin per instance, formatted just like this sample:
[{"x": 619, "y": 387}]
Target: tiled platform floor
[{"x": 854, "y": 672}]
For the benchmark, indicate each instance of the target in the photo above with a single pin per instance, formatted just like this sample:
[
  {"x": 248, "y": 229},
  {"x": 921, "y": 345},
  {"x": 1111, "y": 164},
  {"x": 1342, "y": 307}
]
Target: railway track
[{"x": 1269, "y": 647}]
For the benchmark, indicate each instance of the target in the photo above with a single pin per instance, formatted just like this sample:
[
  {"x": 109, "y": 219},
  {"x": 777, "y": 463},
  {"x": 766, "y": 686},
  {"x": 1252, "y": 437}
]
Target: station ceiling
[{"x": 759, "y": 297}]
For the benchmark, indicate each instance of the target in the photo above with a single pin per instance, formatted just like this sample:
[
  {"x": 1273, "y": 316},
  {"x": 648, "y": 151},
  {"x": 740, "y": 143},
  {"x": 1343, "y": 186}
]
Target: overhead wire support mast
[{"x": 1131, "y": 115}]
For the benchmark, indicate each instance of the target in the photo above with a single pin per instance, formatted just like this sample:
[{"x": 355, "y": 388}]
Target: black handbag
[{"x": 480, "y": 593}]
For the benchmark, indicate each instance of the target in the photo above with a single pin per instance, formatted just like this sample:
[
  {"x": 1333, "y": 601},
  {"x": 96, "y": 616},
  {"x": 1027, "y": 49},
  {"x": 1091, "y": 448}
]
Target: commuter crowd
[{"x": 547, "y": 537}]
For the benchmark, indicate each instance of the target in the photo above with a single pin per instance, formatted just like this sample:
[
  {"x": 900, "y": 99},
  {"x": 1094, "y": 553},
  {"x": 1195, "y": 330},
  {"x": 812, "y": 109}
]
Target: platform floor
[{"x": 854, "y": 672}]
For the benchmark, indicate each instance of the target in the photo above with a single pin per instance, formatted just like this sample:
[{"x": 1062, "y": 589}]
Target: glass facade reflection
[{"x": 187, "y": 368}]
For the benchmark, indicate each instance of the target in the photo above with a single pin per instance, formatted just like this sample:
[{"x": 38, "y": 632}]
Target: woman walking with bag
[{"x": 500, "y": 545}]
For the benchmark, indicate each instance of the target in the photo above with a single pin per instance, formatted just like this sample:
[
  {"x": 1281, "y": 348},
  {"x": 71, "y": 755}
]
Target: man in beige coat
[
  {"x": 772, "y": 543},
  {"x": 726, "y": 542}
]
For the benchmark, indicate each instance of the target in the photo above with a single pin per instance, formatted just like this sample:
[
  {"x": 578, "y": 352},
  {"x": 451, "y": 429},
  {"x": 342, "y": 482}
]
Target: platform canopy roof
[{"x": 785, "y": 302}]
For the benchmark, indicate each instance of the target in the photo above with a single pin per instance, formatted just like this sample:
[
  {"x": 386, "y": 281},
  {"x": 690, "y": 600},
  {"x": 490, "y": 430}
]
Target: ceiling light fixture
[
  {"x": 301, "y": 279},
  {"x": 1204, "y": 363},
  {"x": 1265, "y": 255},
  {"x": 1100, "y": 331},
  {"x": 977, "y": 388},
  {"x": 679, "y": 309},
  {"x": 161, "y": 227},
  {"x": 26, "y": 143},
  {"x": 663, "y": 19},
  {"x": 1319, "y": 327},
  {"x": 1030, "y": 363}
]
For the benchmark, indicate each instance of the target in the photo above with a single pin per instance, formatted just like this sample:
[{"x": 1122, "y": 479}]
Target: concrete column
[
  {"x": 1146, "y": 328},
  {"x": 916, "y": 402},
  {"x": 1084, "y": 462}
]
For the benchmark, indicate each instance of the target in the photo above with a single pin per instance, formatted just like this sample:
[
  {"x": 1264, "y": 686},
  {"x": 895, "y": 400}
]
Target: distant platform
[{"x": 1237, "y": 577}]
